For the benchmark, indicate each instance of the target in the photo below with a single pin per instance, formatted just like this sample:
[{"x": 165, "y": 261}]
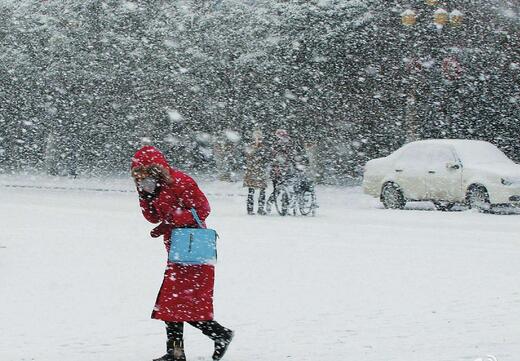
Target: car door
[
  {"x": 410, "y": 169},
  {"x": 444, "y": 182}
]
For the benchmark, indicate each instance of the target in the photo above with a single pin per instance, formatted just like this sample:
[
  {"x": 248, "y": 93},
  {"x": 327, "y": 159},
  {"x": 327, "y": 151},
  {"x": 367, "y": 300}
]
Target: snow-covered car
[{"x": 446, "y": 172}]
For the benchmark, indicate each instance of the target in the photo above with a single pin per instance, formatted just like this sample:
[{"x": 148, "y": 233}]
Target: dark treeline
[{"x": 83, "y": 83}]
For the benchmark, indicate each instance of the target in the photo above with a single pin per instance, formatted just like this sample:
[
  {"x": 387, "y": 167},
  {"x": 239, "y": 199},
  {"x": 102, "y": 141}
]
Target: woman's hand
[{"x": 161, "y": 229}]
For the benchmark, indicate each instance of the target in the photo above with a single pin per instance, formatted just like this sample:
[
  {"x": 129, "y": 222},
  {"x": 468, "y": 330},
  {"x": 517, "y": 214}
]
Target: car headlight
[{"x": 506, "y": 182}]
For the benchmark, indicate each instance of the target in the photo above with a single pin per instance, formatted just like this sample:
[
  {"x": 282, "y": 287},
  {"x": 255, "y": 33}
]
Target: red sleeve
[
  {"x": 149, "y": 211},
  {"x": 191, "y": 197}
]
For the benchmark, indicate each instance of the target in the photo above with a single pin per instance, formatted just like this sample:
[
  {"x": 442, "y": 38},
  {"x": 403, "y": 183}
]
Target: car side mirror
[{"x": 453, "y": 165}]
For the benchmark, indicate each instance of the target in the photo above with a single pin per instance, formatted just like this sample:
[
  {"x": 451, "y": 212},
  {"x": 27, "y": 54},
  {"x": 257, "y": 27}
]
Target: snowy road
[{"x": 79, "y": 276}]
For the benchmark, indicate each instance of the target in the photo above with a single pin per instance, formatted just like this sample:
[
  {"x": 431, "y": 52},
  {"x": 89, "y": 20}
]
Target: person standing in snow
[
  {"x": 256, "y": 173},
  {"x": 311, "y": 155},
  {"x": 166, "y": 196},
  {"x": 282, "y": 163},
  {"x": 222, "y": 151}
]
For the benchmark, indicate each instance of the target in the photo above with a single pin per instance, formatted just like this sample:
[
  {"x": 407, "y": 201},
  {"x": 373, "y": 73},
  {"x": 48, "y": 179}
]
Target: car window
[
  {"x": 414, "y": 155},
  {"x": 481, "y": 152},
  {"x": 441, "y": 154}
]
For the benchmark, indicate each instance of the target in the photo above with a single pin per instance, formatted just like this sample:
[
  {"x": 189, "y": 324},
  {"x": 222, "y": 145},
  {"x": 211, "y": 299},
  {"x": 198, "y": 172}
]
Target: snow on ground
[{"x": 79, "y": 276}]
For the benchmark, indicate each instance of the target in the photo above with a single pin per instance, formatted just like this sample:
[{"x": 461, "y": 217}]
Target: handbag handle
[{"x": 196, "y": 218}]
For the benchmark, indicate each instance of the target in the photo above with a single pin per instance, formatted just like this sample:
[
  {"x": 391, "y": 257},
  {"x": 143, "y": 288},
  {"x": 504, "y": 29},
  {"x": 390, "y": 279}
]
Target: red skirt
[{"x": 186, "y": 294}]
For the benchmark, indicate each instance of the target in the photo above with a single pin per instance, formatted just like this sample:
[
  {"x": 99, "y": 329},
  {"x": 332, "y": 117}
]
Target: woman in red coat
[{"x": 166, "y": 196}]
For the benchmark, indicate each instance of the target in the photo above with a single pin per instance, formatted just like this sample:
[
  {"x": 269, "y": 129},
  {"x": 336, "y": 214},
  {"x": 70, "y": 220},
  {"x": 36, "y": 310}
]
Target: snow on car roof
[
  {"x": 469, "y": 151},
  {"x": 451, "y": 141}
]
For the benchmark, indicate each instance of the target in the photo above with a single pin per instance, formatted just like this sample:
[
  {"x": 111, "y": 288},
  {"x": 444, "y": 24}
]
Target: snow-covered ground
[{"x": 79, "y": 276}]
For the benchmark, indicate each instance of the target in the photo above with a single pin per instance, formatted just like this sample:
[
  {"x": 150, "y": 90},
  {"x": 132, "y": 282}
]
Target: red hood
[{"x": 149, "y": 155}]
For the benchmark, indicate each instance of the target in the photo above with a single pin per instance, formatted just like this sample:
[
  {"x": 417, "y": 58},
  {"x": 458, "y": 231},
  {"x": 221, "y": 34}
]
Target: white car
[{"x": 446, "y": 172}]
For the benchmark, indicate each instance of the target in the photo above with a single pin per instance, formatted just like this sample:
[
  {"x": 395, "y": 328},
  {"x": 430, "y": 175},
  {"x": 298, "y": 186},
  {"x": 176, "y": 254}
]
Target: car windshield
[{"x": 472, "y": 153}]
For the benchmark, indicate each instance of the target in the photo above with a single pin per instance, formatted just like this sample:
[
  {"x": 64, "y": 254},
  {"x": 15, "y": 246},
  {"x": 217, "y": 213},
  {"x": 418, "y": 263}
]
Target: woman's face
[
  {"x": 140, "y": 173},
  {"x": 147, "y": 178}
]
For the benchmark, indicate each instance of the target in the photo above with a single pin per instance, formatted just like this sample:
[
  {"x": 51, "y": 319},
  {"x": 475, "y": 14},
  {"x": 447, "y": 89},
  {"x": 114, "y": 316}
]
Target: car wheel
[
  {"x": 478, "y": 198},
  {"x": 392, "y": 197},
  {"x": 443, "y": 206}
]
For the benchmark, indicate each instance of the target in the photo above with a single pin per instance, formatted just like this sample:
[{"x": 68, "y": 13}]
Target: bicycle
[{"x": 296, "y": 194}]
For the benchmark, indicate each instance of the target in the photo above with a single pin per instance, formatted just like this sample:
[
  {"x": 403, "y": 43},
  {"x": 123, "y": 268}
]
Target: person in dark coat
[
  {"x": 256, "y": 172},
  {"x": 282, "y": 163},
  {"x": 166, "y": 196}
]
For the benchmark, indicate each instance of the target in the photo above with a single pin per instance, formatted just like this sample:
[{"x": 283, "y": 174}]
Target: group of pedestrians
[{"x": 277, "y": 161}]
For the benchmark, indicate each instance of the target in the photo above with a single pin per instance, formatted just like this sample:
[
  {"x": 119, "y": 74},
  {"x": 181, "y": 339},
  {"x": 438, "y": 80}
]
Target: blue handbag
[{"x": 193, "y": 245}]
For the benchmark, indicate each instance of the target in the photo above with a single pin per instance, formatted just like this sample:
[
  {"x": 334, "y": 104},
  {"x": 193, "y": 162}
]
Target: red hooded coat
[{"x": 186, "y": 293}]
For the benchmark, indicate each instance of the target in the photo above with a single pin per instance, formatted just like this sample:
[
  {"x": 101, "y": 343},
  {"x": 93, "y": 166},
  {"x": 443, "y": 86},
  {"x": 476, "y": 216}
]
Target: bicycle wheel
[
  {"x": 306, "y": 202},
  {"x": 282, "y": 202}
]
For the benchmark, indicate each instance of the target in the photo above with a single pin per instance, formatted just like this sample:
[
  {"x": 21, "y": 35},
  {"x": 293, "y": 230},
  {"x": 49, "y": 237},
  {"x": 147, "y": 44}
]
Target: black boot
[
  {"x": 166, "y": 357},
  {"x": 222, "y": 344},
  {"x": 219, "y": 334},
  {"x": 174, "y": 351},
  {"x": 178, "y": 351}
]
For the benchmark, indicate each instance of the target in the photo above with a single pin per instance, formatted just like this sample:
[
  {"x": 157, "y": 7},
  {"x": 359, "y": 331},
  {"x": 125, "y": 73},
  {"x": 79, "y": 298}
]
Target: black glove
[{"x": 146, "y": 196}]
